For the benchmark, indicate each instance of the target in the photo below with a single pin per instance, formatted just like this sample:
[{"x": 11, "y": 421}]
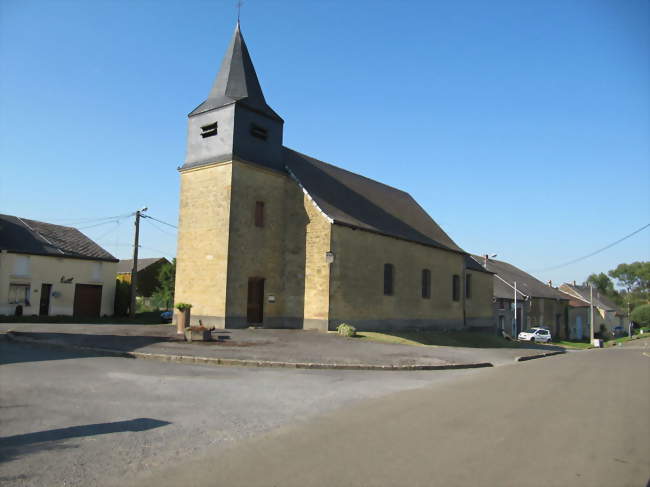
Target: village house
[
  {"x": 48, "y": 269},
  {"x": 607, "y": 316},
  {"x": 538, "y": 304},
  {"x": 272, "y": 237},
  {"x": 148, "y": 274}
]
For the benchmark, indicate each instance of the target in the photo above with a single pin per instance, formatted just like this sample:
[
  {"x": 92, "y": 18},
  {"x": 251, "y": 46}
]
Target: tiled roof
[
  {"x": 356, "y": 201},
  {"x": 507, "y": 275},
  {"x": 600, "y": 301},
  {"x": 34, "y": 237}
]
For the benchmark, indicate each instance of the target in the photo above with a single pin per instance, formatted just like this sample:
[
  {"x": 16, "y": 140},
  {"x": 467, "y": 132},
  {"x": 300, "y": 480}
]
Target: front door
[
  {"x": 87, "y": 301},
  {"x": 255, "y": 308},
  {"x": 578, "y": 327},
  {"x": 44, "y": 309}
]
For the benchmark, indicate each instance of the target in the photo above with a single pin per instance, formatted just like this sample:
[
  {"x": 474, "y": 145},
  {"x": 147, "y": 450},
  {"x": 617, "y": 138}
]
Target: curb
[
  {"x": 539, "y": 355},
  {"x": 230, "y": 362}
]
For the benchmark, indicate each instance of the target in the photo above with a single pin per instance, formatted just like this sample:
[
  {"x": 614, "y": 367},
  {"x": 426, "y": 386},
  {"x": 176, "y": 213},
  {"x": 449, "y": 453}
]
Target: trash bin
[{"x": 598, "y": 342}]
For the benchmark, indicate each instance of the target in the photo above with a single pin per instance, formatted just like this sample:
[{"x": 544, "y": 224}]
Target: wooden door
[
  {"x": 87, "y": 301},
  {"x": 255, "y": 307},
  {"x": 44, "y": 309}
]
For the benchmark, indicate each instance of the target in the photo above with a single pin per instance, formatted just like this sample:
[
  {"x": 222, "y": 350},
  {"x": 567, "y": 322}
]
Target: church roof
[
  {"x": 237, "y": 82},
  {"x": 356, "y": 201}
]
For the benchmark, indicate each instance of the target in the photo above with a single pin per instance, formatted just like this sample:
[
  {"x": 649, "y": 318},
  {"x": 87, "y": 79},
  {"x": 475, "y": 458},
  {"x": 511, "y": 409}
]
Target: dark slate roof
[
  {"x": 33, "y": 237},
  {"x": 356, "y": 201},
  {"x": 237, "y": 82},
  {"x": 526, "y": 284},
  {"x": 600, "y": 301},
  {"x": 125, "y": 265},
  {"x": 576, "y": 302}
]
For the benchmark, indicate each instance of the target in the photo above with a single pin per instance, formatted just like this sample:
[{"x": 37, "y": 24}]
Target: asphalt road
[
  {"x": 572, "y": 420},
  {"x": 74, "y": 419}
]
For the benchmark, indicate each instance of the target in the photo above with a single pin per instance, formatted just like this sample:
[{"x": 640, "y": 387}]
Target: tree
[
  {"x": 641, "y": 315},
  {"x": 163, "y": 296},
  {"x": 634, "y": 277},
  {"x": 603, "y": 283}
]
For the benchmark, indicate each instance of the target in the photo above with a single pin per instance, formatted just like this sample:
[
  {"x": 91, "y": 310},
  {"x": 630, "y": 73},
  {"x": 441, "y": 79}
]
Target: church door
[{"x": 255, "y": 308}]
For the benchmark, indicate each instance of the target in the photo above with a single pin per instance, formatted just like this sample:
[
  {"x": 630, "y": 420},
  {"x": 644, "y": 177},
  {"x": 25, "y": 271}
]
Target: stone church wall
[{"x": 202, "y": 255}]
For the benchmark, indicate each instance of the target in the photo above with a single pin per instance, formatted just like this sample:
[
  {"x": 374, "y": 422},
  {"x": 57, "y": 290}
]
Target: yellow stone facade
[{"x": 220, "y": 248}]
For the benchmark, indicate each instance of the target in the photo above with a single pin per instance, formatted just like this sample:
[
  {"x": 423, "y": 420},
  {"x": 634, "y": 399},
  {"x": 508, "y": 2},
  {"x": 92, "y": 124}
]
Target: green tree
[
  {"x": 163, "y": 296},
  {"x": 641, "y": 315},
  {"x": 635, "y": 279},
  {"x": 603, "y": 283}
]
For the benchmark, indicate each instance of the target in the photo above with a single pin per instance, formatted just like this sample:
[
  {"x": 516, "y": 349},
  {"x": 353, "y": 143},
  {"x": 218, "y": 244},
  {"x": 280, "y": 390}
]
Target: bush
[
  {"x": 346, "y": 330},
  {"x": 183, "y": 306},
  {"x": 641, "y": 315}
]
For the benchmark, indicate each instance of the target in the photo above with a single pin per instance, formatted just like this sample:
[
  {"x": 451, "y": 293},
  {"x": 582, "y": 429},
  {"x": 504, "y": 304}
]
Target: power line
[
  {"x": 160, "y": 229},
  {"x": 593, "y": 253},
  {"x": 83, "y": 221},
  {"x": 159, "y": 221}
]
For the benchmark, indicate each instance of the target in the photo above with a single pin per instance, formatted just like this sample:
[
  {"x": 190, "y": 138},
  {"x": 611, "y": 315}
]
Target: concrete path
[
  {"x": 291, "y": 346},
  {"x": 577, "y": 420}
]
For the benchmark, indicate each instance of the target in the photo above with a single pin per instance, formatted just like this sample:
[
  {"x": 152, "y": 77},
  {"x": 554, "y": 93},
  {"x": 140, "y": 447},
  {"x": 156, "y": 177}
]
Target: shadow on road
[
  {"x": 114, "y": 342},
  {"x": 14, "y": 446}
]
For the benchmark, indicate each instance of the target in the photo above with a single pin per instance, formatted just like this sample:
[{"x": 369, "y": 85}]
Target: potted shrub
[{"x": 182, "y": 317}]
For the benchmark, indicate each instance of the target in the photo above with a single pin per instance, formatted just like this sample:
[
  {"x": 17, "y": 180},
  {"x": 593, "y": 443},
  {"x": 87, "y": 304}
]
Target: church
[{"x": 271, "y": 237}]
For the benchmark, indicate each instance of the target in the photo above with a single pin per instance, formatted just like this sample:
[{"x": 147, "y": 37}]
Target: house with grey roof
[
  {"x": 48, "y": 269},
  {"x": 269, "y": 236},
  {"x": 148, "y": 272},
  {"x": 537, "y": 304},
  {"x": 607, "y": 316}
]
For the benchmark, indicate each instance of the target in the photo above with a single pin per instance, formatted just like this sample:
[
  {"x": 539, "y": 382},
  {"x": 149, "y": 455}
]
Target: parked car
[
  {"x": 535, "y": 335},
  {"x": 618, "y": 331},
  {"x": 166, "y": 316}
]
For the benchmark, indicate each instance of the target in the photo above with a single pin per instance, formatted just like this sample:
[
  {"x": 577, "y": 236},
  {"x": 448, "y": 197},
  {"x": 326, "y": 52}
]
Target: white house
[{"x": 48, "y": 269}]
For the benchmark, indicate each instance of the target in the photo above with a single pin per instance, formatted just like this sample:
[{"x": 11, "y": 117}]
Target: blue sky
[{"x": 521, "y": 127}]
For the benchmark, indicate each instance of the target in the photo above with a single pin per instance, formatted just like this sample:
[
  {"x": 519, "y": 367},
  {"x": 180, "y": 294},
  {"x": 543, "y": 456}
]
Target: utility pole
[
  {"x": 515, "y": 334},
  {"x": 134, "y": 270},
  {"x": 591, "y": 313}
]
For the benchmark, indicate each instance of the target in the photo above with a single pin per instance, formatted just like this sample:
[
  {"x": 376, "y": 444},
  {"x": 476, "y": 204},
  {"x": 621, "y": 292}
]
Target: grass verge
[{"x": 440, "y": 339}]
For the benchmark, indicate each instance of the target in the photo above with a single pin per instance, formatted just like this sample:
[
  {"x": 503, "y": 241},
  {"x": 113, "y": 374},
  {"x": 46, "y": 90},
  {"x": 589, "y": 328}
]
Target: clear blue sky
[{"x": 521, "y": 127}]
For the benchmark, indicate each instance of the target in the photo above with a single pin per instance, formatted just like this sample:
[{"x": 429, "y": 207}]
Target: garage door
[{"x": 87, "y": 301}]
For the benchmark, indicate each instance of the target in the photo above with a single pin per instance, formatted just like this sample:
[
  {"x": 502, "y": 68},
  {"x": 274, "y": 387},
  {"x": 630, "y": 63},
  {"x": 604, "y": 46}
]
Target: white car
[{"x": 535, "y": 335}]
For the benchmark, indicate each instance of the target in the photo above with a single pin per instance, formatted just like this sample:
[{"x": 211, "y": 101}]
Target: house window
[
  {"x": 426, "y": 283},
  {"x": 389, "y": 276},
  {"x": 19, "y": 294},
  {"x": 502, "y": 322},
  {"x": 209, "y": 130},
  {"x": 259, "y": 132},
  {"x": 259, "y": 213},
  {"x": 21, "y": 265},
  {"x": 96, "y": 272},
  {"x": 455, "y": 287},
  {"x": 468, "y": 286},
  {"x": 501, "y": 303}
]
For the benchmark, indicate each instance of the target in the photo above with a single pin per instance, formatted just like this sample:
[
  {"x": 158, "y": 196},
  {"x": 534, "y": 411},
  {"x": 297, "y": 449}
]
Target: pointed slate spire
[{"x": 237, "y": 81}]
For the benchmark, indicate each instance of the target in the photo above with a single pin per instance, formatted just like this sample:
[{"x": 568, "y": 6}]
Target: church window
[
  {"x": 426, "y": 283},
  {"x": 259, "y": 132},
  {"x": 388, "y": 279},
  {"x": 455, "y": 287},
  {"x": 468, "y": 286},
  {"x": 259, "y": 213},
  {"x": 209, "y": 130}
]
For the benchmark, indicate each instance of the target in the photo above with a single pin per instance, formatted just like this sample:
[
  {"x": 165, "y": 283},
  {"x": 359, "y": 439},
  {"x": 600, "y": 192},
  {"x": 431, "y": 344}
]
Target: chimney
[
  {"x": 574, "y": 282},
  {"x": 485, "y": 260},
  {"x": 550, "y": 283}
]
